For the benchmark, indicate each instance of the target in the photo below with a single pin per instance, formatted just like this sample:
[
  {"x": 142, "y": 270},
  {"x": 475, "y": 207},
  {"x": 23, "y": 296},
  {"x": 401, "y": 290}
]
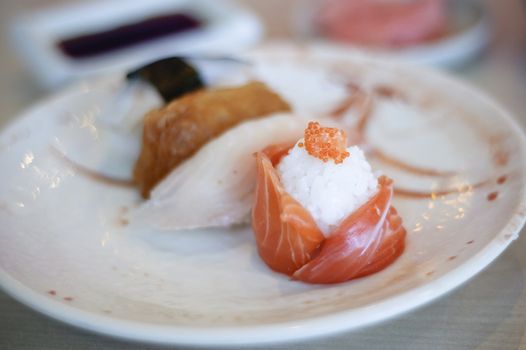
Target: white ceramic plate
[
  {"x": 67, "y": 251},
  {"x": 468, "y": 32}
]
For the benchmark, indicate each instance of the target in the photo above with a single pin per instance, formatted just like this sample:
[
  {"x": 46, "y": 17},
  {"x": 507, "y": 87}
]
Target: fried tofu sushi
[{"x": 176, "y": 131}]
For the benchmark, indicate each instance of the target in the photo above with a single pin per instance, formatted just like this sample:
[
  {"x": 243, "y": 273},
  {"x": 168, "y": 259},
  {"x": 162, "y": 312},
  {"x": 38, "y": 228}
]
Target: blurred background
[{"x": 47, "y": 44}]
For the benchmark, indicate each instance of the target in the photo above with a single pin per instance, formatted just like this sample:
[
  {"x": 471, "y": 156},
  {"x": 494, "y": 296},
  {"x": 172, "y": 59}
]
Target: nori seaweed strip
[{"x": 171, "y": 77}]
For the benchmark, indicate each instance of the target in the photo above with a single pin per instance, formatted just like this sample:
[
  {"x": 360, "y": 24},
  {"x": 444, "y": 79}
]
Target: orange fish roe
[{"x": 326, "y": 143}]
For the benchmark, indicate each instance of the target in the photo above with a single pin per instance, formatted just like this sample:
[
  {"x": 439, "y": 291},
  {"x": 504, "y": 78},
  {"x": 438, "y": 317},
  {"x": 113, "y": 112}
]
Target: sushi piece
[
  {"x": 319, "y": 214},
  {"x": 215, "y": 187},
  {"x": 175, "y": 132}
]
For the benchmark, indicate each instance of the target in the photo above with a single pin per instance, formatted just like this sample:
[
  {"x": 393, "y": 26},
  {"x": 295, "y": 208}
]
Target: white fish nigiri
[{"x": 215, "y": 186}]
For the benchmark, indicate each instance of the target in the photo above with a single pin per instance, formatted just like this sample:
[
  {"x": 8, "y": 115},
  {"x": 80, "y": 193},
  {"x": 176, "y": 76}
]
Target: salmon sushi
[{"x": 320, "y": 214}]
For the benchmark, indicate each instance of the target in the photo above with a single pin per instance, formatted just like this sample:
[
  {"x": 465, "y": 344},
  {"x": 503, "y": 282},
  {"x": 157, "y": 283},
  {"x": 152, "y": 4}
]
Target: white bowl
[{"x": 227, "y": 27}]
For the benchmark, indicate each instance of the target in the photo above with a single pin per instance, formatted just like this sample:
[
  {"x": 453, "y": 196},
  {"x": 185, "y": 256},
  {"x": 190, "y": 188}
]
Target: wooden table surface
[{"x": 488, "y": 312}]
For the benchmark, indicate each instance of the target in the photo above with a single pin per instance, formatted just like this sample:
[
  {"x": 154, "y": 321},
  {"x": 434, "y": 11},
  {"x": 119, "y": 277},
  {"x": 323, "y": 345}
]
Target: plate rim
[{"x": 288, "y": 331}]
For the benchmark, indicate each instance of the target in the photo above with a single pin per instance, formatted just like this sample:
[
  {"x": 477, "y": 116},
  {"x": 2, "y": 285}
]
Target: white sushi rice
[{"x": 329, "y": 191}]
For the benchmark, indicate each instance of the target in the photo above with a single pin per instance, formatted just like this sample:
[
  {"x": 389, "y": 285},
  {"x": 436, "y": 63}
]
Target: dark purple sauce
[{"x": 93, "y": 44}]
